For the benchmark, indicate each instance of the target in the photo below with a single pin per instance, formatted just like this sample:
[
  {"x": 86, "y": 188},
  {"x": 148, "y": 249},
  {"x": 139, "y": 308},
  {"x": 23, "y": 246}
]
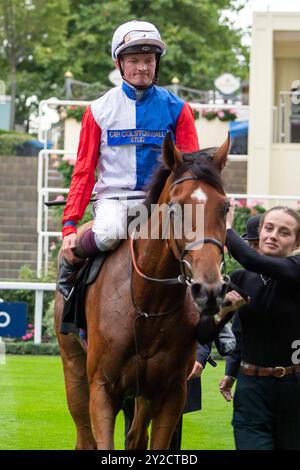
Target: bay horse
[{"x": 142, "y": 311}]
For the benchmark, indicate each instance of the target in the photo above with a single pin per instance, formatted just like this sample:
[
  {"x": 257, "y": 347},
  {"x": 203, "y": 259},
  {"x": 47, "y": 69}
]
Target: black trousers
[
  {"x": 128, "y": 410},
  {"x": 266, "y": 413}
]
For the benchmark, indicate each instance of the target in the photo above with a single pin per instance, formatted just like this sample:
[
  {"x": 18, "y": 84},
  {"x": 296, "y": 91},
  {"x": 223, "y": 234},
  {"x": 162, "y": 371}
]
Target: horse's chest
[{"x": 148, "y": 372}]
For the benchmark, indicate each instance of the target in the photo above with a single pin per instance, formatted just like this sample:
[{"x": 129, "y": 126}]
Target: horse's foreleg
[
  {"x": 103, "y": 410},
  {"x": 166, "y": 415},
  {"x": 76, "y": 383},
  {"x": 137, "y": 437}
]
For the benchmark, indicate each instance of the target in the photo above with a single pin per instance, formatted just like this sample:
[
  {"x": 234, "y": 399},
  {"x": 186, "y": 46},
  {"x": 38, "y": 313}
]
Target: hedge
[
  {"x": 10, "y": 140},
  {"x": 22, "y": 347}
]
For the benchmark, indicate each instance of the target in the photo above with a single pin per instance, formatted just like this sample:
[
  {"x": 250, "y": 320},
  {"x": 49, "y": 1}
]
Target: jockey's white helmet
[{"x": 136, "y": 37}]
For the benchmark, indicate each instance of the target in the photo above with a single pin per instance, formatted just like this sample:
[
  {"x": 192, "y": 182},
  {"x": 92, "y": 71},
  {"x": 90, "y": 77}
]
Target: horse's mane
[{"x": 199, "y": 163}]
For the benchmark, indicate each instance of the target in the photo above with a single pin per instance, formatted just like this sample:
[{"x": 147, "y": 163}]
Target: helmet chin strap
[
  {"x": 138, "y": 87},
  {"x": 141, "y": 87}
]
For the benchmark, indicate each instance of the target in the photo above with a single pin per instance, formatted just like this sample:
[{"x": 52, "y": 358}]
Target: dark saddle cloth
[{"x": 73, "y": 317}]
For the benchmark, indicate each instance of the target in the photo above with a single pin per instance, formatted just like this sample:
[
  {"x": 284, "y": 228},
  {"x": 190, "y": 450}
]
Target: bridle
[{"x": 185, "y": 277}]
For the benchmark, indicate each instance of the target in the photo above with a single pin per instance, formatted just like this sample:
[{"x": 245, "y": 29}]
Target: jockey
[{"x": 121, "y": 137}]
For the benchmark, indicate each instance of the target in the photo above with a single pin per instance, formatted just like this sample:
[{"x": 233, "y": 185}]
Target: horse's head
[{"x": 194, "y": 188}]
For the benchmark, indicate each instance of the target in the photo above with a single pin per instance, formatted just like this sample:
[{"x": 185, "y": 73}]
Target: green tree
[
  {"x": 32, "y": 35},
  {"x": 90, "y": 30},
  {"x": 40, "y": 40},
  {"x": 199, "y": 46}
]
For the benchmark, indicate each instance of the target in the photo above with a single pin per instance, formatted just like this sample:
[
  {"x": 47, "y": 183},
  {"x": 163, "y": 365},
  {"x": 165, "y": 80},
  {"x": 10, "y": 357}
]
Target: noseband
[{"x": 185, "y": 277}]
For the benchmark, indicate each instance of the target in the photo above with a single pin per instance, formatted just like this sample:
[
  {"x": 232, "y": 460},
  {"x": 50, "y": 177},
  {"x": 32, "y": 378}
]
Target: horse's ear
[
  {"x": 220, "y": 156},
  {"x": 170, "y": 154}
]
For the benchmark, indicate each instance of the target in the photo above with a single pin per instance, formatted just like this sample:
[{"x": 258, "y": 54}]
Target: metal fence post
[{"x": 38, "y": 313}]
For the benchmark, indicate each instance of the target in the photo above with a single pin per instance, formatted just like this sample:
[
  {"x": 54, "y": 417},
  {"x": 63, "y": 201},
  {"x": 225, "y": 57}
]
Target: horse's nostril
[
  {"x": 196, "y": 290},
  {"x": 208, "y": 293},
  {"x": 208, "y": 297},
  {"x": 223, "y": 289}
]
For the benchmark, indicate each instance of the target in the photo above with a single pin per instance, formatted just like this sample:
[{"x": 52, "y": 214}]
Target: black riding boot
[{"x": 67, "y": 276}]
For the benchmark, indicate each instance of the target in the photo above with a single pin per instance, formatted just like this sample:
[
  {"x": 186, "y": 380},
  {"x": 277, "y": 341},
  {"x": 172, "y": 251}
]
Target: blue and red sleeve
[
  {"x": 83, "y": 178},
  {"x": 186, "y": 134}
]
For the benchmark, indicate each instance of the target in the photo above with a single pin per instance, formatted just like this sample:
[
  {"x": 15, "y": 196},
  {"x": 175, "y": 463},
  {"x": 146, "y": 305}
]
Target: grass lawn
[{"x": 34, "y": 412}]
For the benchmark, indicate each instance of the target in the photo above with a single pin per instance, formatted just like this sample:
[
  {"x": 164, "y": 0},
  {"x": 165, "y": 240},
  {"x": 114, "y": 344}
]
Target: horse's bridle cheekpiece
[{"x": 185, "y": 277}]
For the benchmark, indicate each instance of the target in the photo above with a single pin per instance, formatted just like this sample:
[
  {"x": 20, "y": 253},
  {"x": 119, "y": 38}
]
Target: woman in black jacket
[
  {"x": 267, "y": 396},
  {"x": 233, "y": 359}
]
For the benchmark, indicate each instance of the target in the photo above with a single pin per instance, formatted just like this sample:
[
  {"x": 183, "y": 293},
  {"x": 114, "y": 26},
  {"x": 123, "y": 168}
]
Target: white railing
[
  {"x": 264, "y": 197},
  {"x": 39, "y": 288},
  {"x": 42, "y": 210},
  {"x": 52, "y": 102},
  {"x": 43, "y": 179}
]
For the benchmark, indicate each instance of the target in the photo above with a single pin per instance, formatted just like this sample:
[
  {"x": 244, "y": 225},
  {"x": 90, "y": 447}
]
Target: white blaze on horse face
[{"x": 199, "y": 195}]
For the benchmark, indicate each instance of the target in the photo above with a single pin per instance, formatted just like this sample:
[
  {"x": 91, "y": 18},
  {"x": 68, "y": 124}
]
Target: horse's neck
[{"x": 156, "y": 259}]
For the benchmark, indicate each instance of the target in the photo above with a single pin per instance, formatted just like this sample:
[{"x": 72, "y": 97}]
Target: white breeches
[{"x": 110, "y": 222}]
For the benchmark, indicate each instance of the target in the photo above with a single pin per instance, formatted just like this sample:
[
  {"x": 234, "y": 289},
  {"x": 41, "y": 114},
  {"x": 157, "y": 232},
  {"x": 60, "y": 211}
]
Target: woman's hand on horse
[
  {"x": 225, "y": 386},
  {"x": 196, "y": 371},
  {"x": 230, "y": 214},
  {"x": 68, "y": 245},
  {"x": 233, "y": 301}
]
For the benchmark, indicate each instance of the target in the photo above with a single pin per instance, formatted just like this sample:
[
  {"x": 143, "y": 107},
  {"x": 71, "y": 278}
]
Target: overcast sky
[{"x": 244, "y": 19}]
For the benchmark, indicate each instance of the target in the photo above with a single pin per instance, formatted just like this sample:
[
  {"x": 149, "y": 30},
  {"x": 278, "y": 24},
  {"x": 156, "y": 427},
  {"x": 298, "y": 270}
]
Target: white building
[{"x": 274, "y": 121}]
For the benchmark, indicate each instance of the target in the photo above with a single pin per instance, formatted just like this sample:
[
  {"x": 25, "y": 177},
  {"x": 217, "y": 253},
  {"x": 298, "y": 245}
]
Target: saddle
[{"x": 73, "y": 317}]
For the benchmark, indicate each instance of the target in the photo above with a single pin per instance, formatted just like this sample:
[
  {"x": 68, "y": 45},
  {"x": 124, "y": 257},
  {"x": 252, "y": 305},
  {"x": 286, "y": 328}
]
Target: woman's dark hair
[{"x": 286, "y": 210}]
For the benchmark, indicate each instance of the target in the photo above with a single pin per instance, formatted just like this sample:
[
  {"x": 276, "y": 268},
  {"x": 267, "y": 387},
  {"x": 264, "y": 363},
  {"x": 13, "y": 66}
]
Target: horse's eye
[
  {"x": 224, "y": 209},
  {"x": 227, "y": 206}
]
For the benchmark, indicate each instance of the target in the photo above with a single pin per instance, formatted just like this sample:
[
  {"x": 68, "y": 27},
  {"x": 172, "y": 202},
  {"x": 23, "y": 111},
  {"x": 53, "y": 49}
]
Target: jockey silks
[{"x": 121, "y": 136}]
